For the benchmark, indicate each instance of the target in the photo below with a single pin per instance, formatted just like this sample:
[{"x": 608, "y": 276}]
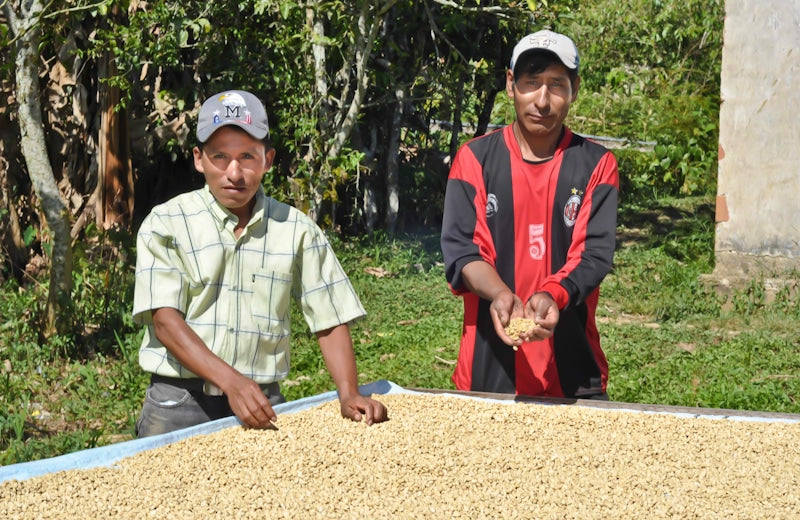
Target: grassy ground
[{"x": 670, "y": 338}]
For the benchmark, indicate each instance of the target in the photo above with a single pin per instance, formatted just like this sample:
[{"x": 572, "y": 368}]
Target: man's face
[
  {"x": 542, "y": 99},
  {"x": 233, "y": 163}
]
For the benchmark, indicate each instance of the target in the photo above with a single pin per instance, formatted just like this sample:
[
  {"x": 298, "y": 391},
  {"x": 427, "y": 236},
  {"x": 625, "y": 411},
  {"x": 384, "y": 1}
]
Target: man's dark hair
[{"x": 537, "y": 62}]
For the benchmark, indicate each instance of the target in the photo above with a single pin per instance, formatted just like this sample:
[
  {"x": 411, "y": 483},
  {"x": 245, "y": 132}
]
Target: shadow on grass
[{"x": 652, "y": 223}]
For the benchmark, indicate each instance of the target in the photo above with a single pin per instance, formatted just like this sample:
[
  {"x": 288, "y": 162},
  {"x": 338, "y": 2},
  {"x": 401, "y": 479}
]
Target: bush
[{"x": 651, "y": 72}]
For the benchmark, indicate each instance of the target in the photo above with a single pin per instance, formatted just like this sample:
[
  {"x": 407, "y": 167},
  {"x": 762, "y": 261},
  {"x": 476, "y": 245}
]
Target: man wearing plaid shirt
[{"x": 216, "y": 270}]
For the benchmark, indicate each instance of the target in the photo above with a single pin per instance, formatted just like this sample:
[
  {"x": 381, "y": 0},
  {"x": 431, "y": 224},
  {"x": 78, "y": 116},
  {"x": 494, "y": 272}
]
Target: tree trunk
[
  {"x": 317, "y": 29},
  {"x": 456, "y": 130},
  {"x": 320, "y": 66},
  {"x": 25, "y": 27},
  {"x": 392, "y": 163},
  {"x": 11, "y": 238},
  {"x": 485, "y": 116},
  {"x": 114, "y": 195},
  {"x": 11, "y": 230},
  {"x": 365, "y": 180},
  {"x": 350, "y": 108}
]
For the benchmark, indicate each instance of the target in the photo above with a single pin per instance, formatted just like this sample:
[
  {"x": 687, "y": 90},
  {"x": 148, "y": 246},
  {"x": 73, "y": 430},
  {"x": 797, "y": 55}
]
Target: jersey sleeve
[
  {"x": 465, "y": 234},
  {"x": 591, "y": 253}
]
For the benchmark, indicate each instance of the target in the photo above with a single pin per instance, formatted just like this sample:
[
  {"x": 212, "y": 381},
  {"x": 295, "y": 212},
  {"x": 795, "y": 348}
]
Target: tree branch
[
  {"x": 494, "y": 10},
  {"x": 435, "y": 30},
  {"x": 363, "y": 54}
]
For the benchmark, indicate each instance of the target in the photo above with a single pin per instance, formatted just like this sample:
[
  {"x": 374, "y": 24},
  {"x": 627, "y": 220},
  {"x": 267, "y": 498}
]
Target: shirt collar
[{"x": 224, "y": 217}]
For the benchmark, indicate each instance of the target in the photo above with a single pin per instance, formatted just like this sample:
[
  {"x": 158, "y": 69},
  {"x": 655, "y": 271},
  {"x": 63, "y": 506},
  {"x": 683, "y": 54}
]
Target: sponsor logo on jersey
[{"x": 491, "y": 205}]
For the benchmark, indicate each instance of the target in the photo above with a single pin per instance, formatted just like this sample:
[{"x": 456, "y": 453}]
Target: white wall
[{"x": 758, "y": 203}]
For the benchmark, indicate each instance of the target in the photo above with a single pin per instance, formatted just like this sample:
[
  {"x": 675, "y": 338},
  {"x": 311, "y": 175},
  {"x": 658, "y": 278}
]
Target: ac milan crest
[{"x": 572, "y": 207}]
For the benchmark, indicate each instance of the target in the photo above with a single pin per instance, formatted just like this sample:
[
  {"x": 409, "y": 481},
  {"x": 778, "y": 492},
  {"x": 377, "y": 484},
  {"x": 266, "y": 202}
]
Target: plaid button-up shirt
[{"x": 235, "y": 293}]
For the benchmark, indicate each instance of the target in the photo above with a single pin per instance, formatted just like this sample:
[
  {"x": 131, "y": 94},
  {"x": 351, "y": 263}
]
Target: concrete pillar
[{"x": 758, "y": 202}]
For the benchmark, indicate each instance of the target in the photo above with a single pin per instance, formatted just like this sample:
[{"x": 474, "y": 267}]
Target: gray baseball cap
[
  {"x": 560, "y": 45},
  {"x": 232, "y": 107}
]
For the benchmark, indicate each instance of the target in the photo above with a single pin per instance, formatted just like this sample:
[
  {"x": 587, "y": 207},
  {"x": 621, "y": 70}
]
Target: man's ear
[
  {"x": 198, "y": 156},
  {"x": 510, "y": 83},
  {"x": 270, "y": 156},
  {"x": 576, "y": 86}
]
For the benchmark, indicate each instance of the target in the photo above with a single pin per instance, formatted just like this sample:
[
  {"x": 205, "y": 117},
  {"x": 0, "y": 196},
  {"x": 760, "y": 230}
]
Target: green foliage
[
  {"x": 704, "y": 367},
  {"x": 651, "y": 72},
  {"x": 264, "y": 46},
  {"x": 102, "y": 281},
  {"x": 50, "y": 406},
  {"x": 67, "y": 393}
]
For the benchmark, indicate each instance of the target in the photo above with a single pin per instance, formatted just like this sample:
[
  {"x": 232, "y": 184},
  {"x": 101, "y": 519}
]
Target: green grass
[
  {"x": 411, "y": 332},
  {"x": 670, "y": 338}
]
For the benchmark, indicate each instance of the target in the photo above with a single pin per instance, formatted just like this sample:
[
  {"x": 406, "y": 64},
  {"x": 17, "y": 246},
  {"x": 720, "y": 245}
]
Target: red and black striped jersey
[{"x": 545, "y": 226}]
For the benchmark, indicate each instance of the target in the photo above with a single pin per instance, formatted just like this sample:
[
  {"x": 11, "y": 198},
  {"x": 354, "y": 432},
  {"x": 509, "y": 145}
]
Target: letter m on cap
[{"x": 232, "y": 111}]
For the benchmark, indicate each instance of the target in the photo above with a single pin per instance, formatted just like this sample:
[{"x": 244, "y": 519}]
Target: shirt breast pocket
[{"x": 272, "y": 292}]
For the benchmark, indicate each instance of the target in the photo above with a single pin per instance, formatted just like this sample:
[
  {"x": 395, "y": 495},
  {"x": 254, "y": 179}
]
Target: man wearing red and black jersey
[{"x": 529, "y": 231}]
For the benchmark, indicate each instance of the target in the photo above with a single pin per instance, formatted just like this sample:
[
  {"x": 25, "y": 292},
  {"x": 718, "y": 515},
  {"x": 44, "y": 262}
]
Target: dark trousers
[{"x": 171, "y": 404}]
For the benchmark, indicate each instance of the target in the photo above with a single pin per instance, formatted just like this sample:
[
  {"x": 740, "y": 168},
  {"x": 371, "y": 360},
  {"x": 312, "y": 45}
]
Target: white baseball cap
[
  {"x": 232, "y": 107},
  {"x": 560, "y": 45}
]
